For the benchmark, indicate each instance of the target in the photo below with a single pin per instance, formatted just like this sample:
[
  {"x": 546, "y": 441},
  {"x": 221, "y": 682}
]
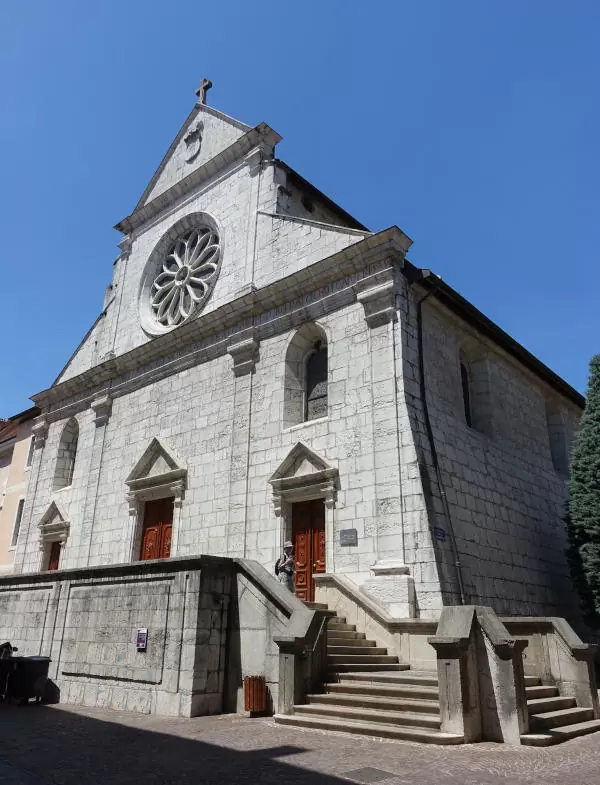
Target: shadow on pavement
[{"x": 48, "y": 745}]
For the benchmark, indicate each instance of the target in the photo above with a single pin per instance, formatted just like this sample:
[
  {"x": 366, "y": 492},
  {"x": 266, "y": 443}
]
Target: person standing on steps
[{"x": 284, "y": 566}]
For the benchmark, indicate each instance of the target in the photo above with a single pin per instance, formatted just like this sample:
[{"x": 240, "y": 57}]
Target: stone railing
[
  {"x": 280, "y": 637},
  {"x": 480, "y": 675},
  {"x": 406, "y": 638},
  {"x": 556, "y": 655}
]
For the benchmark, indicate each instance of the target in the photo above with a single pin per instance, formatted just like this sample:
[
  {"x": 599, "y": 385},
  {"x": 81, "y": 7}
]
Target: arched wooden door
[
  {"x": 157, "y": 530},
  {"x": 308, "y": 536}
]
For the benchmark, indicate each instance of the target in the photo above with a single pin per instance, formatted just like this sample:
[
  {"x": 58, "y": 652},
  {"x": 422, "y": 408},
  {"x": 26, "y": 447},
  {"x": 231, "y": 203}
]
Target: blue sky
[{"x": 472, "y": 125}]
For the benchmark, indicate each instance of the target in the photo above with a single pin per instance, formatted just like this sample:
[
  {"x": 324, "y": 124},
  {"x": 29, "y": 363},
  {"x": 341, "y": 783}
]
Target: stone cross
[{"x": 205, "y": 86}]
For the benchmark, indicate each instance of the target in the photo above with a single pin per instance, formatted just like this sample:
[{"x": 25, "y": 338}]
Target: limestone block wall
[
  {"x": 87, "y": 622},
  {"x": 506, "y": 497},
  {"x": 193, "y": 413},
  {"x": 30, "y": 554}
]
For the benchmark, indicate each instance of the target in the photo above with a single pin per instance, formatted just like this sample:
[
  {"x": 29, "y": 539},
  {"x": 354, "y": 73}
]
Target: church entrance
[
  {"x": 308, "y": 536},
  {"x": 157, "y": 529},
  {"x": 54, "y": 556}
]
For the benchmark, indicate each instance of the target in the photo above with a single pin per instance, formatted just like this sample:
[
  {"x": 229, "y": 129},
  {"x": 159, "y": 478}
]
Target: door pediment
[
  {"x": 158, "y": 473},
  {"x": 54, "y": 524},
  {"x": 304, "y": 475}
]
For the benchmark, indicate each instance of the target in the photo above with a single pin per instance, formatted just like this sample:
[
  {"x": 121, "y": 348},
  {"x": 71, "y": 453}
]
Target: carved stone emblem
[{"x": 193, "y": 141}]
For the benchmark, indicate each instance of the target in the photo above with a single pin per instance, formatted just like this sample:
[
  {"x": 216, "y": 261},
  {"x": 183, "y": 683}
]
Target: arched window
[
  {"x": 67, "y": 453},
  {"x": 466, "y": 393},
  {"x": 316, "y": 383},
  {"x": 305, "y": 383},
  {"x": 476, "y": 392},
  {"x": 558, "y": 438}
]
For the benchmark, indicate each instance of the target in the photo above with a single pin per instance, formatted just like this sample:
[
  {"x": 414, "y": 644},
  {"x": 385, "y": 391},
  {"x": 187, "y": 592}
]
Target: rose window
[{"x": 186, "y": 278}]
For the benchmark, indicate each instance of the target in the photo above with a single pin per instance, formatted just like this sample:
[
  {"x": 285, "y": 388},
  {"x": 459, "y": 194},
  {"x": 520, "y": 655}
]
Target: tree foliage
[{"x": 583, "y": 517}]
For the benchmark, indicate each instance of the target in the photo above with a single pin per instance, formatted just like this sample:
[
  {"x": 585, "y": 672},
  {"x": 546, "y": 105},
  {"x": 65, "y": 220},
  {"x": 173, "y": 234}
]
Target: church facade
[{"x": 265, "y": 368}]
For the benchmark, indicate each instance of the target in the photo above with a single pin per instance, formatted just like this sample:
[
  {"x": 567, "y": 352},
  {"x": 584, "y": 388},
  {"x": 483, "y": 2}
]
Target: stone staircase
[
  {"x": 554, "y": 718},
  {"x": 369, "y": 692}
]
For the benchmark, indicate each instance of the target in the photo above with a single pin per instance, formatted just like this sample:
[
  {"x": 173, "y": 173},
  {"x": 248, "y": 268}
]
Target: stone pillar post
[
  {"x": 480, "y": 674},
  {"x": 102, "y": 408},
  {"x": 26, "y": 555},
  {"x": 244, "y": 354}
]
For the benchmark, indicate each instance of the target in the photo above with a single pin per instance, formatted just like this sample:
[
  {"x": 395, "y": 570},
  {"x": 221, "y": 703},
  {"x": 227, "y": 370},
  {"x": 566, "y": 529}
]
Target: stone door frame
[
  {"x": 288, "y": 487},
  {"x": 148, "y": 487}
]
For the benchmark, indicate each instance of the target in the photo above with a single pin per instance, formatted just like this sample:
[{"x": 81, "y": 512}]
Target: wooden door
[
  {"x": 157, "y": 529},
  {"x": 54, "y": 559},
  {"x": 308, "y": 536}
]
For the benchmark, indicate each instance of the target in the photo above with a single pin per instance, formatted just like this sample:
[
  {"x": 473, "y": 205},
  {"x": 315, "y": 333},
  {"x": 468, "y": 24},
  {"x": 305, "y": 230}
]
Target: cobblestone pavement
[{"x": 65, "y": 745}]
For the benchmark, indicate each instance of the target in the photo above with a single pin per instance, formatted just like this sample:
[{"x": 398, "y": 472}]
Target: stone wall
[
  {"x": 87, "y": 622},
  {"x": 506, "y": 497}
]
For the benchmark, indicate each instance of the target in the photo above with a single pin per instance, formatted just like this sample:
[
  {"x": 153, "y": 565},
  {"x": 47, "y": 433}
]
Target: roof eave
[{"x": 467, "y": 311}]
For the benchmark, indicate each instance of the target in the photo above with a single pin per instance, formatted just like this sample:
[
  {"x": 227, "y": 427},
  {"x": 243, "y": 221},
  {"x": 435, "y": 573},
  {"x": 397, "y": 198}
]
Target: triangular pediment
[
  {"x": 300, "y": 462},
  {"x": 156, "y": 461},
  {"x": 205, "y": 133},
  {"x": 54, "y": 515}
]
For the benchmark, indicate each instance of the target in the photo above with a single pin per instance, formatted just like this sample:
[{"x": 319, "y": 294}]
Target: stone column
[
  {"x": 389, "y": 585},
  {"x": 244, "y": 354},
  {"x": 102, "y": 408}
]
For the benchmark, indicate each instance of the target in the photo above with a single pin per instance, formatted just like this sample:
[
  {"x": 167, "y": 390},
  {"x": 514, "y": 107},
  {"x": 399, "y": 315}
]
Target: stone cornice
[
  {"x": 321, "y": 287},
  {"x": 260, "y": 136},
  {"x": 321, "y": 225}
]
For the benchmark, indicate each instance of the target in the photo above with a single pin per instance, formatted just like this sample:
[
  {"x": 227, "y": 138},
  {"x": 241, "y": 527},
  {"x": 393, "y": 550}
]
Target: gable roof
[
  {"x": 198, "y": 110},
  {"x": 261, "y": 134}
]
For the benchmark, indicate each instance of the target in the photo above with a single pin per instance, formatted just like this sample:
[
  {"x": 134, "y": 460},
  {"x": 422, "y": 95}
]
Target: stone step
[
  {"x": 317, "y": 606},
  {"x": 368, "y": 701},
  {"x": 553, "y": 719},
  {"x": 563, "y": 733},
  {"x": 541, "y": 692},
  {"x": 378, "y": 729},
  {"x": 396, "y": 691},
  {"x": 367, "y": 649},
  {"x": 335, "y": 640},
  {"x": 539, "y": 705},
  {"x": 360, "y": 714},
  {"x": 531, "y": 681},
  {"x": 342, "y": 626},
  {"x": 364, "y": 667},
  {"x": 346, "y": 634},
  {"x": 359, "y": 659},
  {"x": 407, "y": 677}
]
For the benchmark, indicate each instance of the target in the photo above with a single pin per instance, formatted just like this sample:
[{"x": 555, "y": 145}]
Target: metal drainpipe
[{"x": 434, "y": 455}]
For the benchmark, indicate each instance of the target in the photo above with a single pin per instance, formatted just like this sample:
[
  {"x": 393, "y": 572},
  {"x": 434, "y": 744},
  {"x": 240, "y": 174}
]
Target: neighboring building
[
  {"x": 255, "y": 375},
  {"x": 16, "y": 454}
]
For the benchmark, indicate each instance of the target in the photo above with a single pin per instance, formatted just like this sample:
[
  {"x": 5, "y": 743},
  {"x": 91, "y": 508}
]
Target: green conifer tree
[{"x": 583, "y": 517}]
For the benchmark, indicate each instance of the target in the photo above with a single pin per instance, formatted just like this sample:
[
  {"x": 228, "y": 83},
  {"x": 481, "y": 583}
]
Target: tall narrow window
[
  {"x": 30, "y": 453},
  {"x": 67, "y": 452},
  {"x": 305, "y": 377},
  {"x": 17, "y": 526},
  {"x": 466, "y": 393},
  {"x": 316, "y": 383},
  {"x": 558, "y": 438}
]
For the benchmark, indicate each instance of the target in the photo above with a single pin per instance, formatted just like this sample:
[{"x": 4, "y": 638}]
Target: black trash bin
[{"x": 27, "y": 677}]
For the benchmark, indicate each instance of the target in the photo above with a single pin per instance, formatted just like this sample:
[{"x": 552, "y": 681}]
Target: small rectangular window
[
  {"x": 17, "y": 526},
  {"x": 30, "y": 454}
]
